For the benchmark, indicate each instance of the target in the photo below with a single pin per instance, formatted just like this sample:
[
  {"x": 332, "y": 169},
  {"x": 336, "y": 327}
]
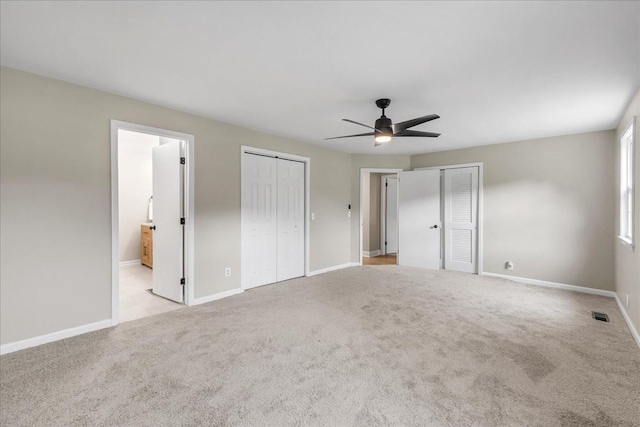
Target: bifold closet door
[
  {"x": 290, "y": 240},
  {"x": 259, "y": 220},
  {"x": 419, "y": 219},
  {"x": 461, "y": 219}
]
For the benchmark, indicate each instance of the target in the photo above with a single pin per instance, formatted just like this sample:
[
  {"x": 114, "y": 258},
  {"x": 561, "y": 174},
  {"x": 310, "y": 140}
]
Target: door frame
[
  {"x": 383, "y": 213},
  {"x": 480, "y": 235},
  {"x": 364, "y": 171},
  {"x": 245, "y": 149},
  {"x": 189, "y": 244}
]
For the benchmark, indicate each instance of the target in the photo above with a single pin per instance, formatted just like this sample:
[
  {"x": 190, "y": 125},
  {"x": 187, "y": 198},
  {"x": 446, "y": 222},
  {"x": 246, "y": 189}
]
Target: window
[{"x": 627, "y": 142}]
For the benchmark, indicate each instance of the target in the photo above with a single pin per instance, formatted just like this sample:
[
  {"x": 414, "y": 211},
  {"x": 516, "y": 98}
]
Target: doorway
[
  {"x": 274, "y": 217},
  {"x": 378, "y": 216},
  {"x": 152, "y": 229}
]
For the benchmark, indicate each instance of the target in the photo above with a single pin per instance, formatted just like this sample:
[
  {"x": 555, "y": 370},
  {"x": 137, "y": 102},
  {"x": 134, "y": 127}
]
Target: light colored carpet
[{"x": 365, "y": 346}]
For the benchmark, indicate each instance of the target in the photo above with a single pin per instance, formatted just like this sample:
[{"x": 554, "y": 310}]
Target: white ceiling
[{"x": 495, "y": 71}]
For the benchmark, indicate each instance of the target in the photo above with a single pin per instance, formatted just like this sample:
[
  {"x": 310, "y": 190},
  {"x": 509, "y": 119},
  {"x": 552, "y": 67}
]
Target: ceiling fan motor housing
[{"x": 384, "y": 124}]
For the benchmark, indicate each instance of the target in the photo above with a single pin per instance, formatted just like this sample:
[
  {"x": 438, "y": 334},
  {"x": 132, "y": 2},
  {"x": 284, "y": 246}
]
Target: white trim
[
  {"x": 132, "y": 262},
  {"x": 553, "y": 285},
  {"x": 574, "y": 288},
  {"x": 215, "y": 297},
  {"x": 364, "y": 171},
  {"x": 371, "y": 254},
  {"x": 190, "y": 210},
  {"x": 480, "y": 166},
  {"x": 333, "y": 268},
  {"x": 54, "y": 336},
  {"x": 626, "y": 241},
  {"x": 632, "y": 328},
  {"x": 455, "y": 166},
  {"x": 307, "y": 196}
]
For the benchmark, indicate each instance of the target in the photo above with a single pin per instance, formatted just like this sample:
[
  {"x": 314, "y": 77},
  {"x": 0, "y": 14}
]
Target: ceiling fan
[{"x": 384, "y": 129}]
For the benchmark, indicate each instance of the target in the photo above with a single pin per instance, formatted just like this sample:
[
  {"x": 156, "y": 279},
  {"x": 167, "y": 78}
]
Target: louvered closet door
[
  {"x": 259, "y": 220},
  {"x": 461, "y": 219},
  {"x": 290, "y": 220}
]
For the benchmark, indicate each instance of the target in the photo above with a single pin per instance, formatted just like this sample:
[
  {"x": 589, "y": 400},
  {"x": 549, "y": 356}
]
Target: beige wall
[
  {"x": 55, "y": 214},
  {"x": 358, "y": 162},
  {"x": 371, "y": 212},
  {"x": 135, "y": 186},
  {"x": 548, "y": 206},
  {"x": 627, "y": 264}
]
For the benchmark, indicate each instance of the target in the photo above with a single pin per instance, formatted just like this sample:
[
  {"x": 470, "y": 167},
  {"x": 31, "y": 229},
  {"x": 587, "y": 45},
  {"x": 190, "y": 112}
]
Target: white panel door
[
  {"x": 461, "y": 219},
  {"x": 391, "y": 216},
  {"x": 290, "y": 240},
  {"x": 259, "y": 220},
  {"x": 168, "y": 203},
  {"x": 419, "y": 219}
]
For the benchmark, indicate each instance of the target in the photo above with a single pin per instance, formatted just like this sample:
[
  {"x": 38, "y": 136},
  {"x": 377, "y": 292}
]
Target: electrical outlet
[
  {"x": 313, "y": 216},
  {"x": 227, "y": 272},
  {"x": 349, "y": 214},
  {"x": 508, "y": 265},
  {"x": 627, "y": 301}
]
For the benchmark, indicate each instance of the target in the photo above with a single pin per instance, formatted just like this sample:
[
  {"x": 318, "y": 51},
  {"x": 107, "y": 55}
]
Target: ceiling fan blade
[
  {"x": 351, "y": 136},
  {"x": 417, "y": 133},
  {"x": 399, "y": 127},
  {"x": 361, "y": 124}
]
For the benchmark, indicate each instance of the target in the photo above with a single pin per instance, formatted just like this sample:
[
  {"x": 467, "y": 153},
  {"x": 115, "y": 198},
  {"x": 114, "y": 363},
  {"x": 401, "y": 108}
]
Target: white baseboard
[
  {"x": 54, "y": 336},
  {"x": 370, "y": 254},
  {"x": 214, "y": 297},
  {"x": 601, "y": 292},
  {"x": 333, "y": 268},
  {"x": 132, "y": 262},
  {"x": 632, "y": 328},
  {"x": 554, "y": 285}
]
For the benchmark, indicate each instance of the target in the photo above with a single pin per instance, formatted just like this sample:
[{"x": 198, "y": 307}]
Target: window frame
[{"x": 626, "y": 195}]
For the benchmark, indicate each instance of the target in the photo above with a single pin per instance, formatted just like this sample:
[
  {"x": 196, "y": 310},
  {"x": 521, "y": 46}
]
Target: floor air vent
[{"x": 603, "y": 317}]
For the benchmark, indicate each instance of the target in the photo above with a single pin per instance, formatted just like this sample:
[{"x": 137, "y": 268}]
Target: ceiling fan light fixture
[{"x": 382, "y": 138}]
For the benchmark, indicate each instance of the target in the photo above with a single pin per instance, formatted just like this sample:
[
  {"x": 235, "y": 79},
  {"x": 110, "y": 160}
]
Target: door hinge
[
  {"x": 183, "y": 160},
  {"x": 385, "y": 243},
  {"x": 183, "y": 281},
  {"x": 182, "y": 221},
  {"x": 386, "y": 184}
]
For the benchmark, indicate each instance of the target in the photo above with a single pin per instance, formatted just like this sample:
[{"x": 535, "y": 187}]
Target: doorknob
[
  {"x": 153, "y": 227},
  {"x": 435, "y": 226}
]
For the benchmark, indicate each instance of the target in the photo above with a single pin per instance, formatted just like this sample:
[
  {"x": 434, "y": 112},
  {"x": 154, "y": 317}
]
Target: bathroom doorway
[{"x": 151, "y": 225}]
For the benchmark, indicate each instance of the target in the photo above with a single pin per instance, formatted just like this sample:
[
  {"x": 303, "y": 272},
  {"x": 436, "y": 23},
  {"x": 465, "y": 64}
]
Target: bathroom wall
[{"x": 134, "y": 188}]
